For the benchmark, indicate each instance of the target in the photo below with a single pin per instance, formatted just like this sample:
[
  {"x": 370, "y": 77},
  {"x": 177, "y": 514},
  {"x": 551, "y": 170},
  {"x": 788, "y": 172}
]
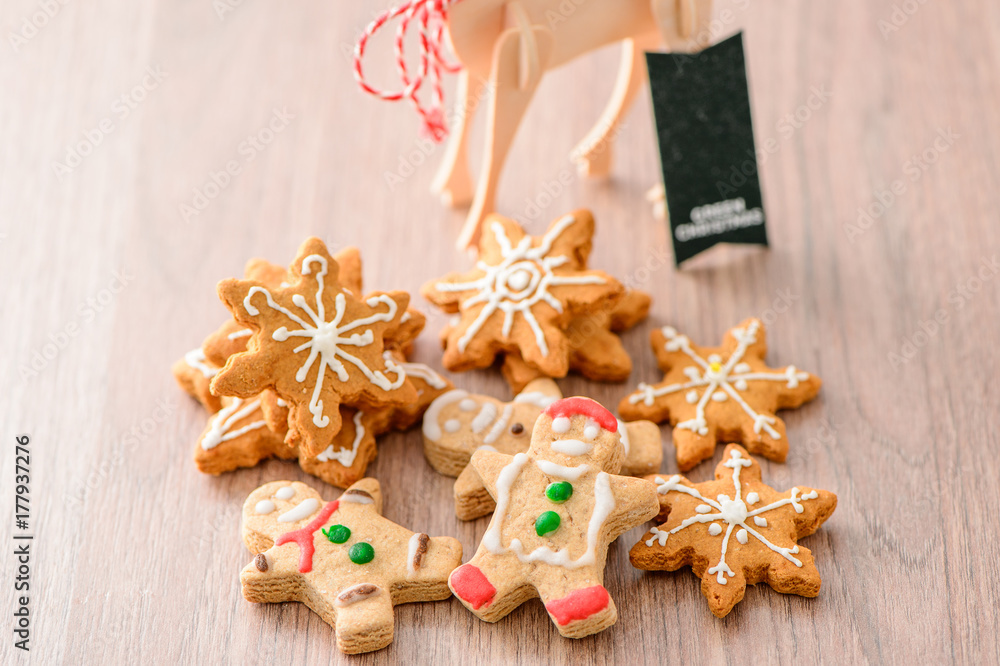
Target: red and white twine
[{"x": 432, "y": 16}]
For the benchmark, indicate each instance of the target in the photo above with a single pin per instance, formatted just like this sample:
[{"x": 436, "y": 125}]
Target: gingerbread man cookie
[
  {"x": 736, "y": 531},
  {"x": 558, "y": 509},
  {"x": 522, "y": 295},
  {"x": 458, "y": 423},
  {"x": 342, "y": 559},
  {"x": 720, "y": 394},
  {"x": 316, "y": 345}
]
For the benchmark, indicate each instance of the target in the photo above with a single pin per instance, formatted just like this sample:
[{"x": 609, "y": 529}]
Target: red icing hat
[{"x": 591, "y": 409}]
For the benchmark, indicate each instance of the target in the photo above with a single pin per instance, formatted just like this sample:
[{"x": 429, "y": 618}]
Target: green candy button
[
  {"x": 547, "y": 522},
  {"x": 338, "y": 533},
  {"x": 361, "y": 553},
  {"x": 559, "y": 492}
]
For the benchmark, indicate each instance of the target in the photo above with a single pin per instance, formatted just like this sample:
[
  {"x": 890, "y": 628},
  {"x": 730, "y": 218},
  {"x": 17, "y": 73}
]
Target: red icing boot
[
  {"x": 579, "y": 604},
  {"x": 472, "y": 586}
]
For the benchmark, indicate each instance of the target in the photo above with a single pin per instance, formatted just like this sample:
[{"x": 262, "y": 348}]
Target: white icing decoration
[
  {"x": 468, "y": 405},
  {"x": 560, "y": 425},
  {"x": 222, "y": 422},
  {"x": 555, "y": 469},
  {"x": 431, "y": 425},
  {"x": 264, "y": 506},
  {"x": 623, "y": 436},
  {"x": 281, "y": 402},
  {"x": 303, "y": 509},
  {"x": 500, "y": 425},
  {"x": 752, "y": 498},
  {"x": 604, "y": 504},
  {"x": 571, "y": 447},
  {"x": 242, "y": 333},
  {"x": 411, "y": 552},
  {"x": 485, "y": 417},
  {"x": 406, "y": 317},
  {"x": 424, "y": 372},
  {"x": 691, "y": 397},
  {"x": 536, "y": 398},
  {"x": 196, "y": 359},
  {"x": 346, "y": 456},
  {"x": 452, "y": 425},
  {"x": 515, "y": 285},
  {"x": 591, "y": 430},
  {"x": 716, "y": 383},
  {"x": 486, "y": 447},
  {"x": 326, "y": 338},
  {"x": 733, "y": 512},
  {"x": 285, "y": 493}
]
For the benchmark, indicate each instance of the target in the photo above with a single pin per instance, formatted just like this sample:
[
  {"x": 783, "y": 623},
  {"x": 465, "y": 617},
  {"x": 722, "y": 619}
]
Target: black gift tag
[{"x": 702, "y": 106}]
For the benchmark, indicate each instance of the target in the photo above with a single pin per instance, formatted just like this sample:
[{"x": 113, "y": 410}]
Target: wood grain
[{"x": 137, "y": 555}]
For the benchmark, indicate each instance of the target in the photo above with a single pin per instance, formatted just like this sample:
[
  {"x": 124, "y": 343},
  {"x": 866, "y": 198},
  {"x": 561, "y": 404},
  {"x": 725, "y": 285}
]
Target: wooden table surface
[{"x": 136, "y": 555}]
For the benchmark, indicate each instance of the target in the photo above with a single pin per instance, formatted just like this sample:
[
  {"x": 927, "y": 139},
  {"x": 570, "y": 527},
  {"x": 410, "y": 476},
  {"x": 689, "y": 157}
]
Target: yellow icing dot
[{"x": 715, "y": 366}]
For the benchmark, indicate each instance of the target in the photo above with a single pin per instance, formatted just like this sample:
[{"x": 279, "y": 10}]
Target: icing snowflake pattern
[
  {"x": 326, "y": 339},
  {"x": 520, "y": 281},
  {"x": 719, "y": 381},
  {"x": 731, "y": 514}
]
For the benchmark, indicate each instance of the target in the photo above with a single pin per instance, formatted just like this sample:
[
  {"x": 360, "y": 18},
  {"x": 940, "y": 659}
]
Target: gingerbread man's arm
[
  {"x": 635, "y": 502},
  {"x": 645, "y": 450},
  {"x": 489, "y": 464}
]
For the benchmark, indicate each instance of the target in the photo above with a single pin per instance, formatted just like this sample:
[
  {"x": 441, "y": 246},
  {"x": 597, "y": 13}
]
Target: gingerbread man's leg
[
  {"x": 764, "y": 443},
  {"x": 693, "y": 447},
  {"x": 490, "y": 587},
  {"x": 364, "y": 618},
  {"x": 576, "y": 601}
]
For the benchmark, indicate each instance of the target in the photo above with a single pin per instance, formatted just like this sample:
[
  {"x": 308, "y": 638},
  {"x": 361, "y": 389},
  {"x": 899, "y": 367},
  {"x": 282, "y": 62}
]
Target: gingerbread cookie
[
  {"x": 342, "y": 559},
  {"x": 194, "y": 373},
  {"x": 596, "y": 352},
  {"x": 720, "y": 394},
  {"x": 522, "y": 295},
  {"x": 458, "y": 423},
  {"x": 558, "y": 508},
  {"x": 735, "y": 531},
  {"x": 241, "y": 435},
  {"x": 316, "y": 345}
]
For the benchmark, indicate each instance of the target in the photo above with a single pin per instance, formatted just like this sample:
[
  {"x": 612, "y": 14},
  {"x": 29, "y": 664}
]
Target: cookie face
[
  {"x": 522, "y": 294},
  {"x": 736, "y": 531},
  {"x": 316, "y": 345},
  {"x": 341, "y": 558},
  {"x": 722, "y": 394},
  {"x": 557, "y": 509},
  {"x": 458, "y": 423}
]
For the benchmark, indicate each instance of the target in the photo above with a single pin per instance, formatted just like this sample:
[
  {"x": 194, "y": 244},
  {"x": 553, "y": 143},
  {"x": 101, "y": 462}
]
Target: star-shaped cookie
[
  {"x": 735, "y": 531},
  {"x": 342, "y": 559},
  {"x": 720, "y": 394},
  {"x": 559, "y": 506},
  {"x": 522, "y": 295},
  {"x": 596, "y": 351},
  {"x": 458, "y": 423},
  {"x": 316, "y": 345},
  {"x": 241, "y": 434}
]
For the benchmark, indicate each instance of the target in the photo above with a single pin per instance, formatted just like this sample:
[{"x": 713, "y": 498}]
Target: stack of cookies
[{"x": 307, "y": 369}]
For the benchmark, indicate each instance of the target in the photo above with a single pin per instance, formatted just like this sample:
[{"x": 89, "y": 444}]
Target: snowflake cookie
[
  {"x": 595, "y": 350},
  {"x": 245, "y": 431},
  {"x": 315, "y": 344},
  {"x": 720, "y": 394},
  {"x": 558, "y": 507},
  {"x": 735, "y": 531},
  {"x": 342, "y": 559},
  {"x": 522, "y": 295},
  {"x": 458, "y": 423}
]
